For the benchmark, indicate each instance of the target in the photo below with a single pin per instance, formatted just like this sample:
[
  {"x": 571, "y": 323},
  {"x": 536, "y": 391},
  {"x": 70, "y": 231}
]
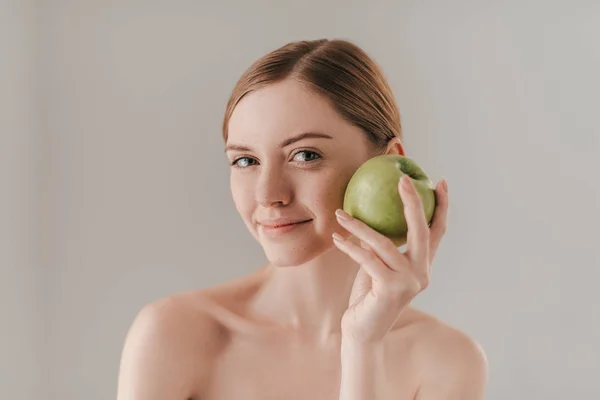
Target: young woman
[{"x": 329, "y": 315}]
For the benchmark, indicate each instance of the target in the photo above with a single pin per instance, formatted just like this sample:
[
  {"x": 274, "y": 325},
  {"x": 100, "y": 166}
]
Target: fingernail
[
  {"x": 337, "y": 236},
  {"x": 343, "y": 215},
  {"x": 445, "y": 185},
  {"x": 407, "y": 183}
]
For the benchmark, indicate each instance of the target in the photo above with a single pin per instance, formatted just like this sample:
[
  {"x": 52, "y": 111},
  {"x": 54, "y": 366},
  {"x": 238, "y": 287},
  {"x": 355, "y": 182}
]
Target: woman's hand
[{"x": 388, "y": 279}]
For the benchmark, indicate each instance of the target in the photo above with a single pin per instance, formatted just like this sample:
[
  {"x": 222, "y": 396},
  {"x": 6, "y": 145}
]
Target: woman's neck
[{"x": 310, "y": 298}]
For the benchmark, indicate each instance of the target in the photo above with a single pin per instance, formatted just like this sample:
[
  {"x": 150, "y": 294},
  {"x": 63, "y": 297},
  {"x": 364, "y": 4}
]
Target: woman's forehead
[{"x": 282, "y": 110}]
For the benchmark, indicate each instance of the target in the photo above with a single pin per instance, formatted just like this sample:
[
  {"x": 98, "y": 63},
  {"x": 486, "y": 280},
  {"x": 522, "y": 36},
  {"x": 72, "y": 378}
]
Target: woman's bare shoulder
[
  {"x": 434, "y": 338},
  {"x": 450, "y": 360},
  {"x": 168, "y": 351},
  {"x": 184, "y": 316},
  {"x": 174, "y": 341},
  {"x": 440, "y": 334}
]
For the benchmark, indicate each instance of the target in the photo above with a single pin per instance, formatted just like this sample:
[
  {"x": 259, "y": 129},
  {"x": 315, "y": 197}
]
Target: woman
[{"x": 329, "y": 315}]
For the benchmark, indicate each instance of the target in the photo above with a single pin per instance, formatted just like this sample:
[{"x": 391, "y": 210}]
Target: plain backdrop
[{"x": 114, "y": 186}]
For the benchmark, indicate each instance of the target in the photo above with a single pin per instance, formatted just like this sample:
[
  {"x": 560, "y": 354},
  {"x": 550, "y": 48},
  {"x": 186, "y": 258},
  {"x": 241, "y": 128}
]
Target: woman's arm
[
  {"x": 393, "y": 279},
  {"x": 363, "y": 373}
]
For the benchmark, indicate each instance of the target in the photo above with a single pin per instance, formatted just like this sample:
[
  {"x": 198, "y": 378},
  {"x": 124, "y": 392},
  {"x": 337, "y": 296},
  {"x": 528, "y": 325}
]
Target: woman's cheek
[
  {"x": 242, "y": 194},
  {"x": 330, "y": 192}
]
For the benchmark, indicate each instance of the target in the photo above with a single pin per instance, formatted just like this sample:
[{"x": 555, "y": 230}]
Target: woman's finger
[
  {"x": 439, "y": 222},
  {"x": 365, "y": 258},
  {"x": 381, "y": 245},
  {"x": 417, "y": 246}
]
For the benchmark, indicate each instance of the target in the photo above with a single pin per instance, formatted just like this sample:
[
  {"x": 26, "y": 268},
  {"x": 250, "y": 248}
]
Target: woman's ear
[{"x": 395, "y": 146}]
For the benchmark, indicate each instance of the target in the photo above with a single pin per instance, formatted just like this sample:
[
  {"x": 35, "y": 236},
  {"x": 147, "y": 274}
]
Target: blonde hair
[{"x": 338, "y": 70}]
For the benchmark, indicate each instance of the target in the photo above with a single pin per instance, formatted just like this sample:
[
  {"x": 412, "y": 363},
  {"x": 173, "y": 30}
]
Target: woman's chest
[{"x": 293, "y": 371}]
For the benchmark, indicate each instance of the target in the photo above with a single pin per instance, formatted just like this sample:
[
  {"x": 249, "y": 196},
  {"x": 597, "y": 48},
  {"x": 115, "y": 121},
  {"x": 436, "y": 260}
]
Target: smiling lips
[{"x": 282, "y": 225}]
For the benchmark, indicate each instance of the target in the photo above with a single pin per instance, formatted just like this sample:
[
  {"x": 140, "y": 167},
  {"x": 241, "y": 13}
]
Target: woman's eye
[
  {"x": 306, "y": 155},
  {"x": 243, "y": 162}
]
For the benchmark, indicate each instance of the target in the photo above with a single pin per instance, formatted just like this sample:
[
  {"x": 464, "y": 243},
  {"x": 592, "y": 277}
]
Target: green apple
[{"x": 372, "y": 194}]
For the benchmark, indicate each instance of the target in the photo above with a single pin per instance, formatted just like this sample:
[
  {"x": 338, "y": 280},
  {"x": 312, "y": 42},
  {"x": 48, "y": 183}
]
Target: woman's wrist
[{"x": 352, "y": 347}]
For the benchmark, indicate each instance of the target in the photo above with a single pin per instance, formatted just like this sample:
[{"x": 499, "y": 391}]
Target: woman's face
[{"x": 292, "y": 156}]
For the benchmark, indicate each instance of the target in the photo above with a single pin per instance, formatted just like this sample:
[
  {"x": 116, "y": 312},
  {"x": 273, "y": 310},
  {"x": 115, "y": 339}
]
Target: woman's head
[
  {"x": 338, "y": 70},
  {"x": 299, "y": 123}
]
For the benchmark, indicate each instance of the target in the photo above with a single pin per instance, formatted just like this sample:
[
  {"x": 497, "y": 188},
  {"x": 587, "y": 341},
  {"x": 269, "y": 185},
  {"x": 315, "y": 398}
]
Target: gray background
[{"x": 114, "y": 187}]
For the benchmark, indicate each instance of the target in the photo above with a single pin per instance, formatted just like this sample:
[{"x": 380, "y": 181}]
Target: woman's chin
[{"x": 293, "y": 255}]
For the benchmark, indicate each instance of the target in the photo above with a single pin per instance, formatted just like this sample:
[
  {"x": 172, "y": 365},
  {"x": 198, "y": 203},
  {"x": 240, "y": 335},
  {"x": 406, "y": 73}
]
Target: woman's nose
[{"x": 273, "y": 189}]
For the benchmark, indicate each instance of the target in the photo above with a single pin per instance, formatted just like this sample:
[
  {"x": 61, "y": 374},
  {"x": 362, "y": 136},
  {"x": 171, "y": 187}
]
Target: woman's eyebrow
[
  {"x": 305, "y": 135},
  {"x": 285, "y": 143}
]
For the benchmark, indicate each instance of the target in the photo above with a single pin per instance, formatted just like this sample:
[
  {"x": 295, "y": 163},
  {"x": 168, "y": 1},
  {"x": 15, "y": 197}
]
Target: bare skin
[
  {"x": 213, "y": 347},
  {"x": 277, "y": 333}
]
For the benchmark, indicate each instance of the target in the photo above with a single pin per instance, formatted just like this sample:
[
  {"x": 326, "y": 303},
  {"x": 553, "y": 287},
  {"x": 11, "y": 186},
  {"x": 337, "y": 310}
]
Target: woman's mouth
[{"x": 282, "y": 227}]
